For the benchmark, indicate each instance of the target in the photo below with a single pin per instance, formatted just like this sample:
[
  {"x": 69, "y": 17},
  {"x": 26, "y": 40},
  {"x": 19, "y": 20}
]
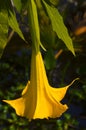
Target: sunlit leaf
[
  {"x": 3, "y": 27},
  {"x": 3, "y": 34},
  {"x": 14, "y": 24},
  {"x": 58, "y": 26}
]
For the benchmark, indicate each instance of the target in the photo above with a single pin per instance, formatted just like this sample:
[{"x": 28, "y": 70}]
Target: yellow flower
[{"x": 39, "y": 99}]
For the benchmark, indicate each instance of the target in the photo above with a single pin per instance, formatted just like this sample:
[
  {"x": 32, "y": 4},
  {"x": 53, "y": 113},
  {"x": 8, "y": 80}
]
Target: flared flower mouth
[{"x": 39, "y": 99}]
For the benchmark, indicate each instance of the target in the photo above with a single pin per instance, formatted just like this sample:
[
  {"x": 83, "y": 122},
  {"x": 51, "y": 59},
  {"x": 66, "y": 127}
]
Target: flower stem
[{"x": 34, "y": 25}]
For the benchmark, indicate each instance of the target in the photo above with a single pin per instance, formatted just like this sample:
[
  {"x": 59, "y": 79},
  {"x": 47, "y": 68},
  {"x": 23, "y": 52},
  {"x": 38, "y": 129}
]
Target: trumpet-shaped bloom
[{"x": 39, "y": 99}]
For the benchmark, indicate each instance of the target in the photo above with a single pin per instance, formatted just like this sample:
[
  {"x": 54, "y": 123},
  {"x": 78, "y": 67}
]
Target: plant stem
[{"x": 34, "y": 25}]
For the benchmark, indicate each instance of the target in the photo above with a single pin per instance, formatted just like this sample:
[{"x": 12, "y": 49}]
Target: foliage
[
  {"x": 57, "y": 24},
  {"x": 11, "y": 21}
]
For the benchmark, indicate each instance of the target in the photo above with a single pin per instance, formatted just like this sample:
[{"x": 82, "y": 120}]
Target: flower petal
[
  {"x": 59, "y": 93},
  {"x": 17, "y": 104},
  {"x": 48, "y": 108},
  {"x": 26, "y": 88}
]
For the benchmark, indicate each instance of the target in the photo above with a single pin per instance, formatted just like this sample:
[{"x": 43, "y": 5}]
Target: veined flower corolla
[{"x": 39, "y": 99}]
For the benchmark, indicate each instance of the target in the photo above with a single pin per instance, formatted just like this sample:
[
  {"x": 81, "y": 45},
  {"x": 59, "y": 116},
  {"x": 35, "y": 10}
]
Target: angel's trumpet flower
[{"x": 39, "y": 99}]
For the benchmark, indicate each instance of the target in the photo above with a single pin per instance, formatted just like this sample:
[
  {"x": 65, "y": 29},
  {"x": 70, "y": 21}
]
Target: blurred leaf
[
  {"x": 49, "y": 60},
  {"x": 59, "y": 27},
  {"x": 3, "y": 26},
  {"x": 14, "y": 24},
  {"x": 84, "y": 88},
  {"x": 54, "y": 2},
  {"x": 48, "y": 37},
  {"x": 3, "y": 31},
  {"x": 82, "y": 69},
  {"x": 18, "y": 4}
]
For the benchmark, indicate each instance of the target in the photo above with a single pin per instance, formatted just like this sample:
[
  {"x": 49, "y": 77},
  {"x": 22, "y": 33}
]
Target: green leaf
[
  {"x": 54, "y": 2},
  {"x": 18, "y": 4},
  {"x": 3, "y": 27},
  {"x": 48, "y": 58},
  {"x": 3, "y": 31},
  {"x": 14, "y": 24},
  {"x": 58, "y": 26}
]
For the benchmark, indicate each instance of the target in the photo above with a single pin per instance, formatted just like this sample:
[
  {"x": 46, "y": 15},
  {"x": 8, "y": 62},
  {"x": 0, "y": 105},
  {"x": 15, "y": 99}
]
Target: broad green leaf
[
  {"x": 58, "y": 26},
  {"x": 3, "y": 26},
  {"x": 12, "y": 21},
  {"x": 18, "y": 4}
]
